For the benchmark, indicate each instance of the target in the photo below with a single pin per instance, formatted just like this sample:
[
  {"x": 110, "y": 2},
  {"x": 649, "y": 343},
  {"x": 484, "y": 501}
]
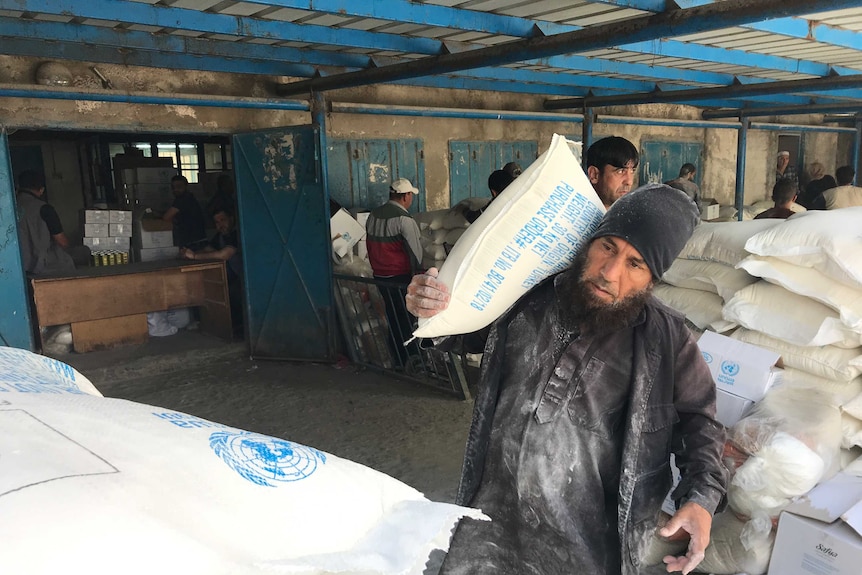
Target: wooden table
[{"x": 108, "y": 306}]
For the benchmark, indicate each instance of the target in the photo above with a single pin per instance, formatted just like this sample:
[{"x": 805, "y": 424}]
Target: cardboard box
[
  {"x": 153, "y": 233},
  {"x": 97, "y": 216},
  {"x": 739, "y": 368},
  {"x": 710, "y": 212},
  {"x": 730, "y": 408},
  {"x": 120, "y": 217},
  {"x": 155, "y": 254},
  {"x": 96, "y": 230},
  {"x": 95, "y": 244},
  {"x": 345, "y": 232},
  {"x": 120, "y": 230},
  {"x": 821, "y": 532},
  {"x": 116, "y": 243}
]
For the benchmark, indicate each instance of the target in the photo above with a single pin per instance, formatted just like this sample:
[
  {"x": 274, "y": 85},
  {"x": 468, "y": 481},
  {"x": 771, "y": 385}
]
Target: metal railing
[{"x": 375, "y": 323}]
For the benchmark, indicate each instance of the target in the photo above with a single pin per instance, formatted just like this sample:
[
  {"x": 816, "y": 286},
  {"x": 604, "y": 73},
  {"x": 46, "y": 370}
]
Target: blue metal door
[
  {"x": 360, "y": 171},
  {"x": 284, "y": 234},
  {"x": 661, "y": 161},
  {"x": 470, "y": 164},
  {"x": 15, "y": 316}
]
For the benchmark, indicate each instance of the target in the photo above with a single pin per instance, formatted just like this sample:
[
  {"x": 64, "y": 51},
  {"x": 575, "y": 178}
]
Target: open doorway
[{"x": 88, "y": 177}]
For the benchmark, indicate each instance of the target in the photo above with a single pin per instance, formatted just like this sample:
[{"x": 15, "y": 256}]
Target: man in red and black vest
[{"x": 395, "y": 254}]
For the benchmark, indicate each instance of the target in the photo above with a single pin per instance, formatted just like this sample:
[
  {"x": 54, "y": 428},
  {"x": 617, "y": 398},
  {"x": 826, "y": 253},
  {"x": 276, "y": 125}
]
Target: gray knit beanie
[{"x": 656, "y": 220}]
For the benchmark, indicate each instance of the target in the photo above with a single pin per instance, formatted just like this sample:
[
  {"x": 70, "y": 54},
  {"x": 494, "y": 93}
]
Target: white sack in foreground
[
  {"x": 105, "y": 486},
  {"x": 533, "y": 229}
]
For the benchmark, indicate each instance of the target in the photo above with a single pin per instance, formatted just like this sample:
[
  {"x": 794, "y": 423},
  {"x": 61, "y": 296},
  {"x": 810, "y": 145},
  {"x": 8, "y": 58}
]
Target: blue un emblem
[
  {"x": 730, "y": 368},
  {"x": 264, "y": 460},
  {"x": 707, "y": 357}
]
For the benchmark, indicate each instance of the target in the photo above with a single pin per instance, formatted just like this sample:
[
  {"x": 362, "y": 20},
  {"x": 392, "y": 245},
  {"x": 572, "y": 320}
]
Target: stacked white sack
[
  {"x": 440, "y": 230},
  {"x": 809, "y": 305},
  {"x": 534, "y": 229},
  {"x": 105, "y": 486},
  {"x": 704, "y": 276}
]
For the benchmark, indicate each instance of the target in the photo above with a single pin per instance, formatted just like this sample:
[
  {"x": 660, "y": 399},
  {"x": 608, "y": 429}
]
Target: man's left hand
[{"x": 696, "y": 521}]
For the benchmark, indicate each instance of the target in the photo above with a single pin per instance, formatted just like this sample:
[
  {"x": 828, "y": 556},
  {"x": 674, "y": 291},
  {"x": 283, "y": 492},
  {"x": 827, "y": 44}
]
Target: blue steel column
[
  {"x": 317, "y": 104},
  {"x": 741, "y": 143},
  {"x": 587, "y": 137},
  {"x": 857, "y": 147},
  {"x": 15, "y": 308}
]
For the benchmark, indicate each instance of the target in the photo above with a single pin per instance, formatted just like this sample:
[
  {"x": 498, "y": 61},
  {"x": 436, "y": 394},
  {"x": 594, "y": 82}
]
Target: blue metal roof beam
[
  {"x": 133, "y": 40},
  {"x": 790, "y": 27},
  {"x": 497, "y": 24},
  {"x": 672, "y": 23},
  {"x": 576, "y": 63},
  {"x": 689, "y": 95},
  {"x": 184, "y": 19}
]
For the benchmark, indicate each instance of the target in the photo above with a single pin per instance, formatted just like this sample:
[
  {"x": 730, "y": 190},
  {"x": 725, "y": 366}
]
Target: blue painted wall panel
[
  {"x": 15, "y": 315},
  {"x": 660, "y": 161},
  {"x": 360, "y": 171},
  {"x": 470, "y": 164}
]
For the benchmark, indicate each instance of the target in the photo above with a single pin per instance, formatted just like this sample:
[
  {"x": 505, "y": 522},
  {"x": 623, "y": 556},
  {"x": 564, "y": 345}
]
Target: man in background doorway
[
  {"x": 224, "y": 246},
  {"x": 819, "y": 181},
  {"x": 611, "y": 165},
  {"x": 395, "y": 254},
  {"x": 685, "y": 182},
  {"x": 186, "y": 215},
  {"x": 783, "y": 169},
  {"x": 498, "y": 181},
  {"x": 846, "y": 195},
  {"x": 513, "y": 169},
  {"x": 783, "y": 194},
  {"x": 40, "y": 232}
]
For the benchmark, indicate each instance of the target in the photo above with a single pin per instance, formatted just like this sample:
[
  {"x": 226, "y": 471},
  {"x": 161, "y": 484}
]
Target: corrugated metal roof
[{"x": 331, "y": 36}]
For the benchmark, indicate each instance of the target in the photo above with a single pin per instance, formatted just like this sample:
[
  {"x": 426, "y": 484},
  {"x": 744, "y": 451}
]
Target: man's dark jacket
[{"x": 671, "y": 408}]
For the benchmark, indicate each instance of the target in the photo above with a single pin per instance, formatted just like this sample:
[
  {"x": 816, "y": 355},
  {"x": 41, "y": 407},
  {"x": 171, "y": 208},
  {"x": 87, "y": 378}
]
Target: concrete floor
[{"x": 408, "y": 431}]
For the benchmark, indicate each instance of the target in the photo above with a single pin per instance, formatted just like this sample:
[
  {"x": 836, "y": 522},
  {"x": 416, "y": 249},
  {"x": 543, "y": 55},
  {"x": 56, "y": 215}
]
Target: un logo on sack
[
  {"x": 706, "y": 357},
  {"x": 730, "y": 368},
  {"x": 262, "y": 460}
]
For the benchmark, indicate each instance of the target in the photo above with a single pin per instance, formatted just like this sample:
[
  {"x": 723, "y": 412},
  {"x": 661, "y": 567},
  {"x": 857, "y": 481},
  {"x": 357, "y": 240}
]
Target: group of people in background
[{"x": 821, "y": 192}]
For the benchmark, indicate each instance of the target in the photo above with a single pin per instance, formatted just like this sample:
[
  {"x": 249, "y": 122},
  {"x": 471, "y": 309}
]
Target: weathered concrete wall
[{"x": 719, "y": 144}]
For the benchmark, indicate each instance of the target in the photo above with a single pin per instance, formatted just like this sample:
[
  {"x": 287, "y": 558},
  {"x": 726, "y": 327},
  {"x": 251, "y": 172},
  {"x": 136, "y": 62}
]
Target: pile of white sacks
[
  {"x": 102, "y": 486},
  {"x": 794, "y": 287},
  {"x": 440, "y": 229}
]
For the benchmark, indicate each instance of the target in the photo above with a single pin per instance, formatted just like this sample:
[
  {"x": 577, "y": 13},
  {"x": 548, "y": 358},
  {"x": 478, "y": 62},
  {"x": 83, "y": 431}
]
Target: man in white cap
[
  {"x": 783, "y": 169},
  {"x": 395, "y": 254}
]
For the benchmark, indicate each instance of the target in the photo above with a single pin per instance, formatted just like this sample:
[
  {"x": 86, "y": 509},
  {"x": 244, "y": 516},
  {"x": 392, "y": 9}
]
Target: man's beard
[{"x": 597, "y": 316}]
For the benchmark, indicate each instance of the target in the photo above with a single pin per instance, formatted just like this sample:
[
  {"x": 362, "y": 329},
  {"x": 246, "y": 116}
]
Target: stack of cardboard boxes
[{"x": 108, "y": 231}]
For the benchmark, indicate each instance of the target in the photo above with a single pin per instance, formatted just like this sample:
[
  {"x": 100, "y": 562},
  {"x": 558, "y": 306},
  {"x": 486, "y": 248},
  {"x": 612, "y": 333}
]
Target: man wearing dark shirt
[
  {"x": 40, "y": 232},
  {"x": 783, "y": 194},
  {"x": 224, "y": 246},
  {"x": 186, "y": 214}
]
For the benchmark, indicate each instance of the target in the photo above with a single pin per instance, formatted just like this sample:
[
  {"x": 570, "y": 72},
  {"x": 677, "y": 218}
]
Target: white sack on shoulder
[
  {"x": 826, "y": 240},
  {"x": 723, "y": 242},
  {"x": 789, "y": 317},
  {"x": 533, "y": 229},
  {"x": 847, "y": 301}
]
